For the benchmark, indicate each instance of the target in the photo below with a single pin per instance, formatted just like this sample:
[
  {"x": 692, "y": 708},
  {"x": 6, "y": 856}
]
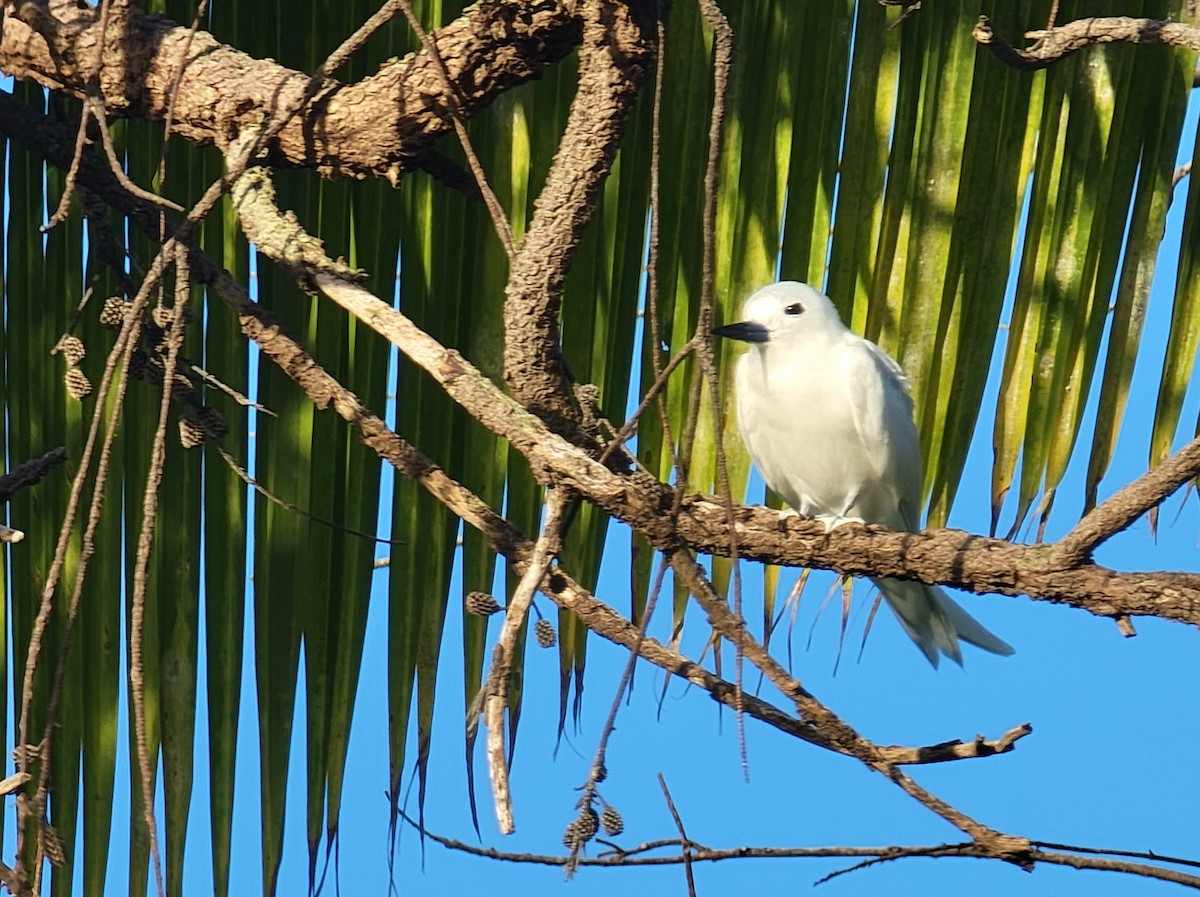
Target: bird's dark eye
[{"x": 794, "y": 309}]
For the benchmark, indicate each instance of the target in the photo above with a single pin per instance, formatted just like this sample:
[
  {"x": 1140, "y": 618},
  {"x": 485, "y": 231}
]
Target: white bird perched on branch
[{"x": 828, "y": 420}]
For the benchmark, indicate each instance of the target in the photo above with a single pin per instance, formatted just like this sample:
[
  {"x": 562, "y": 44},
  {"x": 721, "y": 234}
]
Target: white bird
[{"x": 828, "y": 420}]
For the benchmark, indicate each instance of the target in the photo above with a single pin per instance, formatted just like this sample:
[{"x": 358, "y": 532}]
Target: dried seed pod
[
  {"x": 52, "y": 845},
  {"x": 572, "y": 839},
  {"x": 144, "y": 367},
  {"x": 481, "y": 604},
  {"x": 543, "y": 631},
  {"x": 72, "y": 349},
  {"x": 581, "y": 830},
  {"x": 191, "y": 429},
  {"x": 213, "y": 422},
  {"x": 78, "y": 385},
  {"x": 612, "y": 821},
  {"x": 181, "y": 389},
  {"x": 589, "y": 823},
  {"x": 112, "y": 313}
]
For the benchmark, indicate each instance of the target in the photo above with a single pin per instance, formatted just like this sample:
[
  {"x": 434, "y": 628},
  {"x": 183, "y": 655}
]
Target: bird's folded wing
[{"x": 877, "y": 393}]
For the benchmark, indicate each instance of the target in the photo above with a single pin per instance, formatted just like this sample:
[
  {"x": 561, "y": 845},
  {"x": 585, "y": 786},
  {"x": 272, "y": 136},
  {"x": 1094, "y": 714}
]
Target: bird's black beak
[{"x": 746, "y": 331}]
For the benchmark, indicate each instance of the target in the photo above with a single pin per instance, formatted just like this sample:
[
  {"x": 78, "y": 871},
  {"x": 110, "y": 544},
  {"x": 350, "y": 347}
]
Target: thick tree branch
[
  {"x": 1062, "y": 40},
  {"x": 376, "y": 127},
  {"x": 615, "y": 56}
]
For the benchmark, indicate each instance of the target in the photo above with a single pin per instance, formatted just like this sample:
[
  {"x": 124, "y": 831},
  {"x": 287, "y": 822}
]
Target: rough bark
[{"x": 375, "y": 127}]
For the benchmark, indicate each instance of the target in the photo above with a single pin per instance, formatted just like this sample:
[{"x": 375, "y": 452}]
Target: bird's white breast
[{"x": 796, "y": 415}]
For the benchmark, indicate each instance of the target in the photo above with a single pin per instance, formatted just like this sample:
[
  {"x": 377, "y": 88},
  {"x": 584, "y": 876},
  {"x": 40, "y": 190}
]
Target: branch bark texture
[{"x": 376, "y": 127}]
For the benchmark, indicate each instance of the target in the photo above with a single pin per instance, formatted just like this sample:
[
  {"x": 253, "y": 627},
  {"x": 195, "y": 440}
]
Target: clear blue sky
[{"x": 1109, "y": 764}]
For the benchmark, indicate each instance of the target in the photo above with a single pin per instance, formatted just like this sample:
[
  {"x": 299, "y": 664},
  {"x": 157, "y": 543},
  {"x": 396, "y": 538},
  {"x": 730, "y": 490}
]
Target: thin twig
[
  {"x": 652, "y": 293},
  {"x": 495, "y": 210},
  {"x": 64, "y": 201},
  {"x": 655, "y": 393},
  {"x": 217, "y": 383},
  {"x": 722, "y": 64},
  {"x": 114, "y": 163},
  {"x": 270, "y": 496},
  {"x": 684, "y": 842},
  {"x": 173, "y": 91},
  {"x": 598, "y": 759},
  {"x": 966, "y": 849},
  {"x": 142, "y": 562},
  {"x": 122, "y": 350}
]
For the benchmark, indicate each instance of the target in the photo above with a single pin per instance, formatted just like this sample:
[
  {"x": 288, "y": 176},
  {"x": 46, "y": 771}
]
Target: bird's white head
[{"x": 783, "y": 312}]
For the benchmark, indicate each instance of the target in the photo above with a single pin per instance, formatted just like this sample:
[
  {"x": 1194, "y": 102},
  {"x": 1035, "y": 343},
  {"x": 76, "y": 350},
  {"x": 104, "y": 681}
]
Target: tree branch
[
  {"x": 614, "y": 57},
  {"x": 1120, "y": 510},
  {"x": 376, "y": 127},
  {"x": 1061, "y": 41},
  {"x": 693, "y": 853},
  {"x": 951, "y": 557}
]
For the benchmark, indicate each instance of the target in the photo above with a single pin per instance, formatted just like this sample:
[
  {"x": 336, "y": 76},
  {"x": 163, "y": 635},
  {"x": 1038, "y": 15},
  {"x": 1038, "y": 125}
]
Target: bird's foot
[{"x": 829, "y": 521}]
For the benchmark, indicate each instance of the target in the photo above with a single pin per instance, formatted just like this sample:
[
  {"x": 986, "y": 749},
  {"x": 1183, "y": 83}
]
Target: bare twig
[
  {"x": 598, "y": 759},
  {"x": 655, "y": 392},
  {"x": 64, "y": 201},
  {"x": 122, "y": 349},
  {"x": 722, "y": 64},
  {"x": 499, "y": 218},
  {"x": 218, "y": 384},
  {"x": 114, "y": 163},
  {"x": 233, "y": 464},
  {"x": 1120, "y": 511},
  {"x": 142, "y": 561},
  {"x": 173, "y": 91},
  {"x": 635, "y": 856},
  {"x": 684, "y": 842}
]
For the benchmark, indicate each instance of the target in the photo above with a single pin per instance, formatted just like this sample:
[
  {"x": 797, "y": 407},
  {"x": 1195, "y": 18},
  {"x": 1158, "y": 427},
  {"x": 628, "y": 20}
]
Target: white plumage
[{"x": 827, "y": 418}]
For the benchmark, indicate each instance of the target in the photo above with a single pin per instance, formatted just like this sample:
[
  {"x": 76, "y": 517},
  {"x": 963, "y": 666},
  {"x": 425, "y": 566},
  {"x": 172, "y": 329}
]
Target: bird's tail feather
[{"x": 935, "y": 622}]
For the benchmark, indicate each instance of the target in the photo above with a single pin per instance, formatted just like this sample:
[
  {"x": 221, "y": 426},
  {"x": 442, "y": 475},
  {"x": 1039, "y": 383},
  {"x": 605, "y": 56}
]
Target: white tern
[{"x": 828, "y": 420}]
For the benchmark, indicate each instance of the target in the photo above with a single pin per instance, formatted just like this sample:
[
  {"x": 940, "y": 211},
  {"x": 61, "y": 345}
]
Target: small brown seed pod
[
  {"x": 112, "y": 312},
  {"x": 78, "y": 385},
  {"x": 543, "y": 631},
  {"x": 72, "y": 349},
  {"x": 481, "y": 604}
]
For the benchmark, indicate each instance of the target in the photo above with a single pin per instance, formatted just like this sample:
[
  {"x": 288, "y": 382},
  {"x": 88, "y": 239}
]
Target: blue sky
[{"x": 1115, "y": 721}]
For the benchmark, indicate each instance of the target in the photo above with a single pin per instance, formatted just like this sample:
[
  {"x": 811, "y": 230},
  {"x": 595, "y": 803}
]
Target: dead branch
[{"x": 690, "y": 852}]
